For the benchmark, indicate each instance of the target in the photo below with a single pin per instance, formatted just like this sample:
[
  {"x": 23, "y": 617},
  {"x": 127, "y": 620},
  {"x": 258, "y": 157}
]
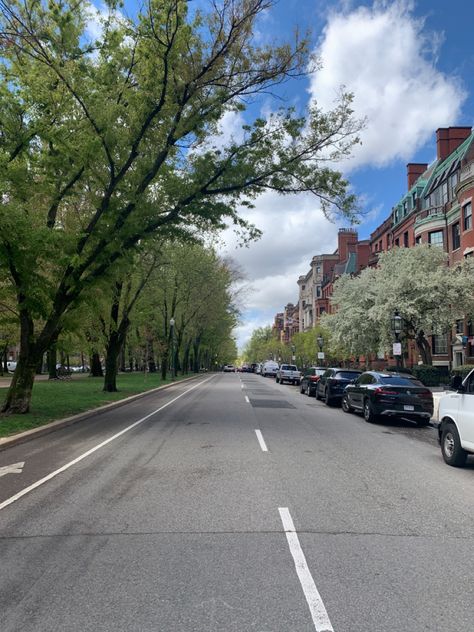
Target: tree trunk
[
  {"x": 19, "y": 394},
  {"x": 164, "y": 365},
  {"x": 196, "y": 353},
  {"x": 424, "y": 347},
  {"x": 111, "y": 363},
  {"x": 96, "y": 366},
  {"x": 52, "y": 362}
]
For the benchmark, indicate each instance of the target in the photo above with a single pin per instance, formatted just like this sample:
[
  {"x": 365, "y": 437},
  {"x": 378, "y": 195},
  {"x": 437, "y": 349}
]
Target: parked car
[
  {"x": 229, "y": 368},
  {"x": 310, "y": 379},
  {"x": 11, "y": 366},
  {"x": 288, "y": 373},
  {"x": 378, "y": 394},
  {"x": 258, "y": 369},
  {"x": 332, "y": 382},
  {"x": 456, "y": 421},
  {"x": 269, "y": 368}
]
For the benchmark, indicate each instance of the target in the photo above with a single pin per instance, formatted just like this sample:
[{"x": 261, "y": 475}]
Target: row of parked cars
[{"x": 381, "y": 395}]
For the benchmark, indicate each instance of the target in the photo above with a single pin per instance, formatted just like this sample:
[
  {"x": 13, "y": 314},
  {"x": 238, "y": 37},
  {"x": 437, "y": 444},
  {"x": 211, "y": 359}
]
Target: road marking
[
  {"x": 247, "y": 399},
  {"x": 261, "y": 440},
  {"x": 15, "y": 468},
  {"x": 48, "y": 477},
  {"x": 315, "y": 603}
]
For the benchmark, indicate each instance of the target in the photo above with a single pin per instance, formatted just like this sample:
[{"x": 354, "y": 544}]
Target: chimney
[
  {"x": 414, "y": 171},
  {"x": 448, "y": 139},
  {"x": 346, "y": 238}
]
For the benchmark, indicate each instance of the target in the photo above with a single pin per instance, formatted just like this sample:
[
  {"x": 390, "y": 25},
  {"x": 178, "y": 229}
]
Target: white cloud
[
  {"x": 383, "y": 55},
  {"x": 294, "y": 230}
]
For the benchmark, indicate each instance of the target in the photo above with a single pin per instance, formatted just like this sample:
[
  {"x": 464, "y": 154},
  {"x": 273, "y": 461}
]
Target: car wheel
[
  {"x": 453, "y": 453},
  {"x": 308, "y": 390},
  {"x": 317, "y": 395},
  {"x": 369, "y": 415},
  {"x": 302, "y": 389},
  {"x": 327, "y": 398},
  {"x": 346, "y": 407}
]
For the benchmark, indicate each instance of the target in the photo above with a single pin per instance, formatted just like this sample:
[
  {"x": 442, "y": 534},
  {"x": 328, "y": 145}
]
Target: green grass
[{"x": 58, "y": 399}]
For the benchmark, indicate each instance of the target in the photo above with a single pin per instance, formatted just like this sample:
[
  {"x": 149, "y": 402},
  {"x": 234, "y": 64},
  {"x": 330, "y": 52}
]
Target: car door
[
  {"x": 466, "y": 413},
  {"x": 354, "y": 392},
  {"x": 321, "y": 385},
  {"x": 361, "y": 389}
]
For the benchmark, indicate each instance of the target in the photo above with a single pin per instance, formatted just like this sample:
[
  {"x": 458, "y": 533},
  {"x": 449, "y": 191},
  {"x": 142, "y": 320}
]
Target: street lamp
[
  {"x": 293, "y": 352},
  {"x": 320, "y": 340},
  {"x": 172, "y": 323},
  {"x": 397, "y": 326}
]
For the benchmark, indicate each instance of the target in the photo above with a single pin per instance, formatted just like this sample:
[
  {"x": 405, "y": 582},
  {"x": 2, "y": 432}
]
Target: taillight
[
  {"x": 427, "y": 394},
  {"x": 384, "y": 391}
]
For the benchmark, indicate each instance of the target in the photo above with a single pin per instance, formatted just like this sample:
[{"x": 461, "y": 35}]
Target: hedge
[
  {"x": 463, "y": 370},
  {"x": 427, "y": 374}
]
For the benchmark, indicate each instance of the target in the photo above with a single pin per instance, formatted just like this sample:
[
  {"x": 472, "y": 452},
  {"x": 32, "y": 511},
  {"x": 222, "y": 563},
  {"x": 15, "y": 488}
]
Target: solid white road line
[
  {"x": 48, "y": 477},
  {"x": 315, "y": 603},
  {"x": 261, "y": 440},
  {"x": 247, "y": 399}
]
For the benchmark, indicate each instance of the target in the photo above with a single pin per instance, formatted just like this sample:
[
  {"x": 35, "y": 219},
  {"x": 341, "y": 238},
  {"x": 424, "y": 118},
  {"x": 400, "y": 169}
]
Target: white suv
[{"x": 456, "y": 421}]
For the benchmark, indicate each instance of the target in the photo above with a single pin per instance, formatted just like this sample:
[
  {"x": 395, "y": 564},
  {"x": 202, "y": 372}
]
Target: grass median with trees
[{"x": 54, "y": 400}]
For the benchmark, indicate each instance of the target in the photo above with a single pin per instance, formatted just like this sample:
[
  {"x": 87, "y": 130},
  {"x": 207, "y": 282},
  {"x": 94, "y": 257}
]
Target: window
[
  {"x": 318, "y": 269},
  {"x": 318, "y": 291},
  {"x": 440, "y": 344},
  {"x": 456, "y": 235},
  {"x": 397, "y": 242},
  {"x": 444, "y": 192},
  {"x": 303, "y": 287},
  {"x": 418, "y": 240},
  {"x": 467, "y": 216},
  {"x": 470, "y": 328},
  {"x": 453, "y": 180},
  {"x": 435, "y": 238},
  {"x": 460, "y": 326},
  {"x": 405, "y": 239},
  {"x": 322, "y": 310},
  {"x": 405, "y": 208}
]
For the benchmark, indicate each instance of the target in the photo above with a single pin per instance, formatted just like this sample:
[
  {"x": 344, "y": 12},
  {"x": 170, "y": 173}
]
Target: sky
[{"x": 410, "y": 65}]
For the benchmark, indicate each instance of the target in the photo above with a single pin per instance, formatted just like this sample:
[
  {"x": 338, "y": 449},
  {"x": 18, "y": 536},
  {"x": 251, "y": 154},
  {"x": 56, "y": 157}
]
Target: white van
[
  {"x": 270, "y": 367},
  {"x": 456, "y": 421}
]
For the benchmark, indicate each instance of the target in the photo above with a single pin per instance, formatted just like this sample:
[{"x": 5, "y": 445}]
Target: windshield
[
  {"x": 346, "y": 375},
  {"x": 396, "y": 380},
  {"x": 288, "y": 367}
]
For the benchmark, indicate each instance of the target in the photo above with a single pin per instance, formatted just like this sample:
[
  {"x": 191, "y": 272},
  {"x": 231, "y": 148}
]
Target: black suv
[
  {"x": 389, "y": 395},
  {"x": 310, "y": 379},
  {"x": 332, "y": 383}
]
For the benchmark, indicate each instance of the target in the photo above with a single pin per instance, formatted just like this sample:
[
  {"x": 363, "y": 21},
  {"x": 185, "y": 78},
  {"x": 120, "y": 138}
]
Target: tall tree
[{"x": 102, "y": 143}]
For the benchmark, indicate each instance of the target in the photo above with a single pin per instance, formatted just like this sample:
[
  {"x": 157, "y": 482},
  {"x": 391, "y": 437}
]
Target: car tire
[
  {"x": 327, "y": 398},
  {"x": 302, "y": 389},
  {"x": 308, "y": 390},
  {"x": 346, "y": 407},
  {"x": 369, "y": 415},
  {"x": 453, "y": 453},
  {"x": 317, "y": 395}
]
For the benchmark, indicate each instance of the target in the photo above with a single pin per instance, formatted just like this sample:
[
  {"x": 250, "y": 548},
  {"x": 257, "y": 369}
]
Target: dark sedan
[
  {"x": 310, "y": 379},
  {"x": 331, "y": 384},
  {"x": 389, "y": 395}
]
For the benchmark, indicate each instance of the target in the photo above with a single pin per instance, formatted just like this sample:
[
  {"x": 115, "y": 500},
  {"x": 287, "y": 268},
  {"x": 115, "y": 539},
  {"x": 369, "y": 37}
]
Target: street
[{"x": 184, "y": 522}]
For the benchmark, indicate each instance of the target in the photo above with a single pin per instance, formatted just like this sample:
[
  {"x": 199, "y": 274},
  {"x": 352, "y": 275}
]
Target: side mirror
[{"x": 456, "y": 383}]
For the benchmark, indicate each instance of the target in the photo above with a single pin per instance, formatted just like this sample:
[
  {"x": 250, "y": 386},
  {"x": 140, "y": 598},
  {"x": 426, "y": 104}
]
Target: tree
[
  {"x": 415, "y": 282},
  {"x": 351, "y": 331},
  {"x": 103, "y": 144}
]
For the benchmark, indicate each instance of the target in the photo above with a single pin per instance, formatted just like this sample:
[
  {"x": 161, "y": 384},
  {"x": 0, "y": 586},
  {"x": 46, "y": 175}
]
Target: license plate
[{"x": 408, "y": 407}]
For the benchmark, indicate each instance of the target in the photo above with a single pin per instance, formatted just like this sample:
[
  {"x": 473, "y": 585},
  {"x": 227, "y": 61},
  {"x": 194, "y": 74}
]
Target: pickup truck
[
  {"x": 288, "y": 373},
  {"x": 456, "y": 421}
]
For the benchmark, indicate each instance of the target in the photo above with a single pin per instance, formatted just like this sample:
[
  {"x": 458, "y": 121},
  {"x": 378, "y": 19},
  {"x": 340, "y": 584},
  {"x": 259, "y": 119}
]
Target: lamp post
[
  {"x": 172, "y": 322},
  {"x": 293, "y": 353},
  {"x": 320, "y": 345},
  {"x": 397, "y": 326}
]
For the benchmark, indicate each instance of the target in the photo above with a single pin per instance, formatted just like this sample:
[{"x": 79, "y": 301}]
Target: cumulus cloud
[{"x": 384, "y": 56}]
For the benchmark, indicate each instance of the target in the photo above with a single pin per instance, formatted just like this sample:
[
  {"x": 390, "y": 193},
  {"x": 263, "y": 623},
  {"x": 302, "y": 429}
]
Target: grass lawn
[{"x": 62, "y": 398}]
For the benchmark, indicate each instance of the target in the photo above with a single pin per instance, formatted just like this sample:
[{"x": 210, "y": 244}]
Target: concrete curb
[{"x": 28, "y": 435}]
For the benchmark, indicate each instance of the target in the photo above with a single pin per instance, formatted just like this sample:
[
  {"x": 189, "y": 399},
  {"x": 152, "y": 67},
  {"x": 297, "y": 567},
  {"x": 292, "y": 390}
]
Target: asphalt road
[{"x": 192, "y": 521}]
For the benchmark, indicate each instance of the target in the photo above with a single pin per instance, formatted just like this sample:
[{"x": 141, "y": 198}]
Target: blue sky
[{"x": 410, "y": 65}]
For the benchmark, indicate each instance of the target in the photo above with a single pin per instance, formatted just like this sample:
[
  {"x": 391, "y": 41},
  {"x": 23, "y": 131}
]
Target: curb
[{"x": 28, "y": 435}]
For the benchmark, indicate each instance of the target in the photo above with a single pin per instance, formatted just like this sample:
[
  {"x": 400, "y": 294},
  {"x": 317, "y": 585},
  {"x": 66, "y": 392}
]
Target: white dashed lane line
[
  {"x": 316, "y": 606},
  {"x": 261, "y": 440}
]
